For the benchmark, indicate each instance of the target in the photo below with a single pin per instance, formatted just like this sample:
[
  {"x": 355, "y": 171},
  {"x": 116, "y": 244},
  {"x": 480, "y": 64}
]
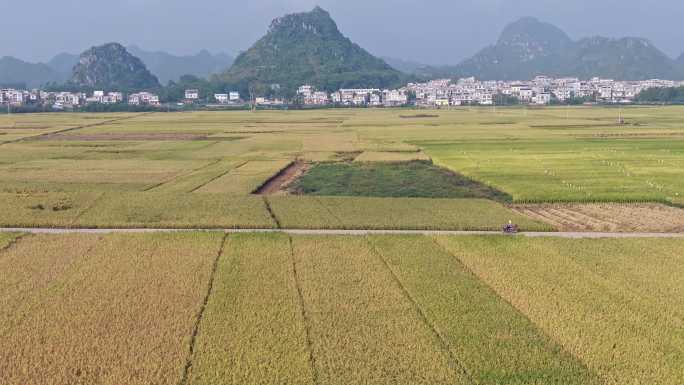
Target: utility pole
[
  {"x": 252, "y": 99},
  {"x": 620, "y": 119}
]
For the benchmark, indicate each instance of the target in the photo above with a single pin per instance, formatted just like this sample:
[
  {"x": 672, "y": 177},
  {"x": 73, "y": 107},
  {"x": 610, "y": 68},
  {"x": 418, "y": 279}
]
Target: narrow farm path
[
  {"x": 68, "y": 129},
  {"x": 37, "y": 230}
]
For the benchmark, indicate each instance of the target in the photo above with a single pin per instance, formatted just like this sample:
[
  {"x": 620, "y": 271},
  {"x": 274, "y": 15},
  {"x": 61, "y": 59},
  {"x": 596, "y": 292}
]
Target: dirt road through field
[{"x": 344, "y": 232}]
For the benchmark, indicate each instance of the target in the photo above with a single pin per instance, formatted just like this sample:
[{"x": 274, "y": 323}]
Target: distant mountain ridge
[
  {"x": 529, "y": 47},
  {"x": 168, "y": 67},
  {"x": 63, "y": 63},
  {"x": 165, "y": 66},
  {"x": 15, "y": 73},
  {"x": 680, "y": 60},
  {"x": 308, "y": 48}
]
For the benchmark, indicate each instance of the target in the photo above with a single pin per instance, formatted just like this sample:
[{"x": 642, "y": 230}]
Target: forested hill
[
  {"x": 308, "y": 48},
  {"x": 112, "y": 67}
]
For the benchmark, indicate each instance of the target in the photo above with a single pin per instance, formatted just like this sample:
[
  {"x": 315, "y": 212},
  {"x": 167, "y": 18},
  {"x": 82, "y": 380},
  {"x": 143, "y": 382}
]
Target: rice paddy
[
  {"x": 203, "y": 308},
  {"x": 206, "y": 307},
  {"x": 609, "y": 319},
  {"x": 541, "y": 156},
  {"x": 110, "y": 310}
]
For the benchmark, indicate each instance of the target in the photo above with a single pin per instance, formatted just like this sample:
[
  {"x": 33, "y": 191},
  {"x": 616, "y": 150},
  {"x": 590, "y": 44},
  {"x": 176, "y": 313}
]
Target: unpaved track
[
  {"x": 343, "y": 232},
  {"x": 69, "y": 129}
]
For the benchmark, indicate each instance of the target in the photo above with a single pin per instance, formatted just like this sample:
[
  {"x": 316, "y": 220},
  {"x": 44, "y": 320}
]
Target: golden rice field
[
  {"x": 200, "y": 306},
  {"x": 206, "y": 308}
]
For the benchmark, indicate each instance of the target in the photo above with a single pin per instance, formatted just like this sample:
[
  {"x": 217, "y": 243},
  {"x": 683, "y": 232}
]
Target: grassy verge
[{"x": 6, "y": 239}]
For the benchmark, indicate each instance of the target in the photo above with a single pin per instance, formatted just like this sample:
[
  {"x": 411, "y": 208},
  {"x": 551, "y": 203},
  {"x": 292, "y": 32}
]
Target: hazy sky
[{"x": 428, "y": 31}]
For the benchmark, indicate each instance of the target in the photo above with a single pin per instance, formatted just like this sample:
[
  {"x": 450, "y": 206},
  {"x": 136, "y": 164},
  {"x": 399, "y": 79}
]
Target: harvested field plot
[
  {"x": 601, "y": 300},
  {"x": 607, "y": 217},
  {"x": 112, "y": 310}
]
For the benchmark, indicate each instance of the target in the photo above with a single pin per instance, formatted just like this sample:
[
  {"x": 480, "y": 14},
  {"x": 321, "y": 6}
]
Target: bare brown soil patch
[
  {"x": 607, "y": 217},
  {"x": 125, "y": 137},
  {"x": 419, "y": 116},
  {"x": 278, "y": 184},
  {"x": 24, "y": 127}
]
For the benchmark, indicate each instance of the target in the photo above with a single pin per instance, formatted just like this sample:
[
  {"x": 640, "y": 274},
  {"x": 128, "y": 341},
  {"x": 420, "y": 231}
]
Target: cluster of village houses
[
  {"x": 541, "y": 90},
  {"x": 62, "y": 100}
]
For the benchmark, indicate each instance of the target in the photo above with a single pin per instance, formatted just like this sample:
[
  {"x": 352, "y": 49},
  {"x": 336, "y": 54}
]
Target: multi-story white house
[
  {"x": 394, "y": 98},
  {"x": 542, "y": 98},
  {"x": 14, "y": 97},
  {"x": 318, "y": 98},
  {"x": 305, "y": 90},
  {"x": 143, "y": 98},
  {"x": 221, "y": 98},
  {"x": 192, "y": 94}
]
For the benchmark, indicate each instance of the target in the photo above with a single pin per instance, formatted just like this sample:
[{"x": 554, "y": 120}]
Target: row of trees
[{"x": 662, "y": 95}]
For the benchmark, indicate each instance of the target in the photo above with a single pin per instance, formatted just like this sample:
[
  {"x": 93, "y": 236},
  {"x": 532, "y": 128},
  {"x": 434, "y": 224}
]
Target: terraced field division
[
  {"x": 206, "y": 308},
  {"x": 202, "y": 169},
  {"x": 166, "y": 302}
]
